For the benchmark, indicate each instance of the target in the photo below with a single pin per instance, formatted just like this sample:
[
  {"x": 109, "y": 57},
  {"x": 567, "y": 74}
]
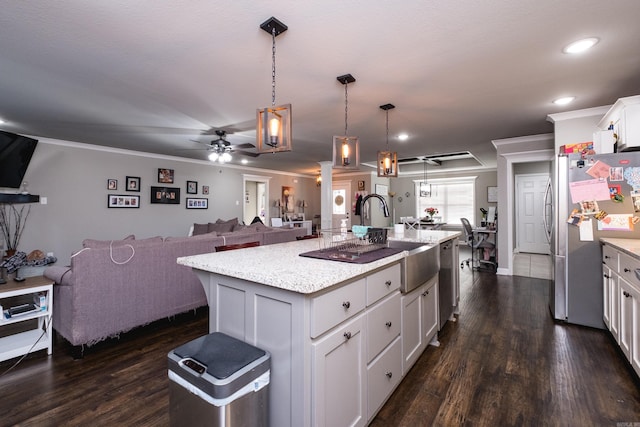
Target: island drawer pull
[
  {"x": 346, "y": 304},
  {"x": 388, "y": 324},
  {"x": 425, "y": 293},
  {"x": 389, "y": 374},
  {"x": 388, "y": 283},
  {"x": 347, "y": 335}
]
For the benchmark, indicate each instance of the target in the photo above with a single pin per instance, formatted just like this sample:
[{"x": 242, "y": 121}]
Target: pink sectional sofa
[{"x": 114, "y": 286}]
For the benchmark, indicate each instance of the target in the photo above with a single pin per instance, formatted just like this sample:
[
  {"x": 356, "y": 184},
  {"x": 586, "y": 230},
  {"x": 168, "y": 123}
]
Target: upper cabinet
[{"x": 624, "y": 117}]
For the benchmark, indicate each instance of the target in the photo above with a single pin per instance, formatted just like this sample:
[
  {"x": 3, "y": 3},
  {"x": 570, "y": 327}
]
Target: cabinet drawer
[
  {"x": 627, "y": 269},
  {"x": 383, "y": 325},
  {"x": 336, "y": 306},
  {"x": 383, "y": 283},
  {"x": 610, "y": 257},
  {"x": 383, "y": 376}
]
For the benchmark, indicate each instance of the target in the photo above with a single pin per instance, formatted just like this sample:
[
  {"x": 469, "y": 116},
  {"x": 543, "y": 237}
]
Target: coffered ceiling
[{"x": 155, "y": 76}]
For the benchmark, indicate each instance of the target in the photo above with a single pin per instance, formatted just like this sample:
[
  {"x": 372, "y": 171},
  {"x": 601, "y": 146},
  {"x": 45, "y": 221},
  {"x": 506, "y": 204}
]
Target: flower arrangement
[{"x": 431, "y": 211}]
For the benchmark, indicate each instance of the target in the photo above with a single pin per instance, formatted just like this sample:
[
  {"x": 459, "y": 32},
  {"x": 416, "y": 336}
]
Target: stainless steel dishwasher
[{"x": 446, "y": 281}]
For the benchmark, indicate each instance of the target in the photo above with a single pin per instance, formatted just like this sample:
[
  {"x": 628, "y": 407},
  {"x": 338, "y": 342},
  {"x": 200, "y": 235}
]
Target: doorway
[
  {"x": 530, "y": 233},
  {"x": 255, "y": 198},
  {"x": 341, "y": 203}
]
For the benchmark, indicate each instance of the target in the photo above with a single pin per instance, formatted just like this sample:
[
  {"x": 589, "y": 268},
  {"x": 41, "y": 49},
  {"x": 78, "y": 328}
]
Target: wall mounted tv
[{"x": 15, "y": 154}]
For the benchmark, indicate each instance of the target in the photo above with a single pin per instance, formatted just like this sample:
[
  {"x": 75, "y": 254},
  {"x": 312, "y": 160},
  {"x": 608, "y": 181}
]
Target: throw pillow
[
  {"x": 95, "y": 244},
  {"x": 200, "y": 229}
]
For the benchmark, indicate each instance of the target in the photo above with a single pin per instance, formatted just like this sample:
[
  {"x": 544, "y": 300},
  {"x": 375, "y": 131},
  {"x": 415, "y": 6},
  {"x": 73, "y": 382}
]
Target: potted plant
[{"x": 12, "y": 222}]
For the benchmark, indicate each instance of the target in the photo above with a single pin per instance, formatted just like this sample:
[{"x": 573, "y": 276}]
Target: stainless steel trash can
[{"x": 217, "y": 380}]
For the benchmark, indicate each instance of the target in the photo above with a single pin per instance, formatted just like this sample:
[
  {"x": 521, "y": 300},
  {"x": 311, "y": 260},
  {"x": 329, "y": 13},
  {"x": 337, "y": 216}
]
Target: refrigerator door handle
[{"x": 548, "y": 207}]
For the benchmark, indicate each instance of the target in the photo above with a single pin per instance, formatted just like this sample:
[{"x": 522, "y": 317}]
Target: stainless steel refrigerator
[{"x": 576, "y": 294}]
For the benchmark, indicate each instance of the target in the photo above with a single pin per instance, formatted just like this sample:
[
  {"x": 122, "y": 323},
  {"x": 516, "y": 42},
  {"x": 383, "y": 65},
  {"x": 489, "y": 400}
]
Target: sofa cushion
[
  {"x": 223, "y": 226},
  {"x": 204, "y": 236},
  {"x": 94, "y": 244},
  {"x": 200, "y": 229}
]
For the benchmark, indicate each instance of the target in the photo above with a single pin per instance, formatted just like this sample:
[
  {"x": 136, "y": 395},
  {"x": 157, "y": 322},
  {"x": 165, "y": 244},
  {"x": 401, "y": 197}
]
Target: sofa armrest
[{"x": 60, "y": 275}]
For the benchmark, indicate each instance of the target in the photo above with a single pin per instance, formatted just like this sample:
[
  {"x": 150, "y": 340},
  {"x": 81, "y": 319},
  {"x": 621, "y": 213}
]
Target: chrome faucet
[{"x": 385, "y": 208}]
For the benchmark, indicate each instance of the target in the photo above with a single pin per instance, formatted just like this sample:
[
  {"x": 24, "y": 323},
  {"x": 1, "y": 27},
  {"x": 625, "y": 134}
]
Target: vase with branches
[{"x": 12, "y": 223}]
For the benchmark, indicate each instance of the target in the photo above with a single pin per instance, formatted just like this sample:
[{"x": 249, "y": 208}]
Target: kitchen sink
[{"x": 422, "y": 263}]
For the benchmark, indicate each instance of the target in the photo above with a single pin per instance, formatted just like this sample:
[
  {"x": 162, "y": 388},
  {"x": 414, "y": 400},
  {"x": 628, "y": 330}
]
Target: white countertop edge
[
  {"x": 629, "y": 246},
  {"x": 280, "y": 265}
]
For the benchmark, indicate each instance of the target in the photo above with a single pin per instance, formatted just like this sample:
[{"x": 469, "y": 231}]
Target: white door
[
  {"x": 341, "y": 203},
  {"x": 530, "y": 231}
]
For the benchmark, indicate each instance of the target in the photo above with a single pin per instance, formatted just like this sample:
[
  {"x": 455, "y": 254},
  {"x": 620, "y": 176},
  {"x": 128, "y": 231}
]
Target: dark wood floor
[{"x": 503, "y": 363}]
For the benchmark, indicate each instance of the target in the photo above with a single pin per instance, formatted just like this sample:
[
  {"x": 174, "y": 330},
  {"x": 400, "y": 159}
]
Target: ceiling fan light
[
  {"x": 213, "y": 156},
  {"x": 225, "y": 157}
]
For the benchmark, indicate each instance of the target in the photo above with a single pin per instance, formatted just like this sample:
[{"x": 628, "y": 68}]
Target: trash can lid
[{"x": 221, "y": 354}]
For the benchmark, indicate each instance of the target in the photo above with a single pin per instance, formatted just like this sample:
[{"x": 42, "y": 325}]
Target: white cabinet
[
  {"x": 621, "y": 280},
  {"x": 419, "y": 321},
  {"x": 336, "y": 355},
  {"x": 339, "y": 379},
  {"x": 34, "y": 339}
]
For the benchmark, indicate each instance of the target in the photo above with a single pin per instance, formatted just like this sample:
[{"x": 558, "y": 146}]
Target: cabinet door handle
[
  {"x": 346, "y": 304},
  {"x": 626, "y": 294},
  {"x": 389, "y": 374},
  {"x": 425, "y": 293},
  {"x": 607, "y": 257},
  {"x": 626, "y": 270},
  {"x": 606, "y": 276},
  {"x": 388, "y": 283},
  {"x": 388, "y": 324},
  {"x": 347, "y": 335}
]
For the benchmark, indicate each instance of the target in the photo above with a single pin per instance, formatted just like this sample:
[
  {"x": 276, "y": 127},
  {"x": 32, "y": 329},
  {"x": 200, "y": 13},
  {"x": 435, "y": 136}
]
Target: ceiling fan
[{"x": 220, "y": 149}]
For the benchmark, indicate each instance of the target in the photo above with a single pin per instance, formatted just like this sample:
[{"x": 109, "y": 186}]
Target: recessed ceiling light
[
  {"x": 564, "y": 101},
  {"x": 244, "y": 161},
  {"x": 403, "y": 137},
  {"x": 2, "y": 121},
  {"x": 581, "y": 45}
]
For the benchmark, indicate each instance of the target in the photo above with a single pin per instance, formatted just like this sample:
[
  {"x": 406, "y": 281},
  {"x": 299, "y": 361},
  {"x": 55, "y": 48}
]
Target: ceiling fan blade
[
  {"x": 246, "y": 145},
  {"x": 246, "y": 153}
]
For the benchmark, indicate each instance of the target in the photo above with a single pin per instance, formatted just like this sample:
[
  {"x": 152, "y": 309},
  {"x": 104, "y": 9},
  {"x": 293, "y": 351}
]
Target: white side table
[{"x": 20, "y": 343}]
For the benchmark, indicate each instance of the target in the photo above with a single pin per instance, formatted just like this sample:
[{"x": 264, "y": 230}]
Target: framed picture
[
  {"x": 192, "y": 187},
  {"x": 492, "y": 194},
  {"x": 165, "y": 176},
  {"x": 165, "y": 195},
  {"x": 287, "y": 199},
  {"x": 205, "y": 189},
  {"x": 123, "y": 201},
  {"x": 382, "y": 190},
  {"x": 133, "y": 183},
  {"x": 197, "y": 203},
  {"x": 360, "y": 185},
  {"x": 112, "y": 184}
]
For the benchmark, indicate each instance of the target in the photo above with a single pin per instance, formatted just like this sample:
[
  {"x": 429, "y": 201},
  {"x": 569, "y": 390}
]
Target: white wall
[{"x": 73, "y": 178}]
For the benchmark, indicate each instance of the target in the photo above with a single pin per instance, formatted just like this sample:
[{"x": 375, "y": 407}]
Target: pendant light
[
  {"x": 273, "y": 132},
  {"x": 346, "y": 149},
  {"x": 425, "y": 188},
  {"x": 387, "y": 160}
]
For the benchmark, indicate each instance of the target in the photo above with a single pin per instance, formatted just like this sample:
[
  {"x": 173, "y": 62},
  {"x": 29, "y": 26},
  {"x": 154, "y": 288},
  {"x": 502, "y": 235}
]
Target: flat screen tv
[{"x": 15, "y": 154}]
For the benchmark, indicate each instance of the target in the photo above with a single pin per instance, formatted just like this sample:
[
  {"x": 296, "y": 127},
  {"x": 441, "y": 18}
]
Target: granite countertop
[
  {"x": 630, "y": 246},
  {"x": 280, "y": 265}
]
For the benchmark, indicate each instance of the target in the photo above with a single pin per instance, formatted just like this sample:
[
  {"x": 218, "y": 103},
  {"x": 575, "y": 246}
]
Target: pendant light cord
[
  {"x": 273, "y": 68},
  {"x": 387, "y": 130},
  {"x": 346, "y": 109}
]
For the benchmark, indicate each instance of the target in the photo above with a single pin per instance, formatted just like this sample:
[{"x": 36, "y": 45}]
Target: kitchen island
[{"x": 335, "y": 330}]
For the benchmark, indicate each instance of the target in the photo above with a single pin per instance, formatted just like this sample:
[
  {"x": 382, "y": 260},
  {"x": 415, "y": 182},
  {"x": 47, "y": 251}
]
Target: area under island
[{"x": 341, "y": 335}]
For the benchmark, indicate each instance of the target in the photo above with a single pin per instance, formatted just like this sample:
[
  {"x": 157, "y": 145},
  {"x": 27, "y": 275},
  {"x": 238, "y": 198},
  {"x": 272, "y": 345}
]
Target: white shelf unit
[{"x": 35, "y": 339}]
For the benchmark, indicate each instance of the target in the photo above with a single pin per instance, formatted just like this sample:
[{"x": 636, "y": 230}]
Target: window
[{"x": 453, "y": 197}]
